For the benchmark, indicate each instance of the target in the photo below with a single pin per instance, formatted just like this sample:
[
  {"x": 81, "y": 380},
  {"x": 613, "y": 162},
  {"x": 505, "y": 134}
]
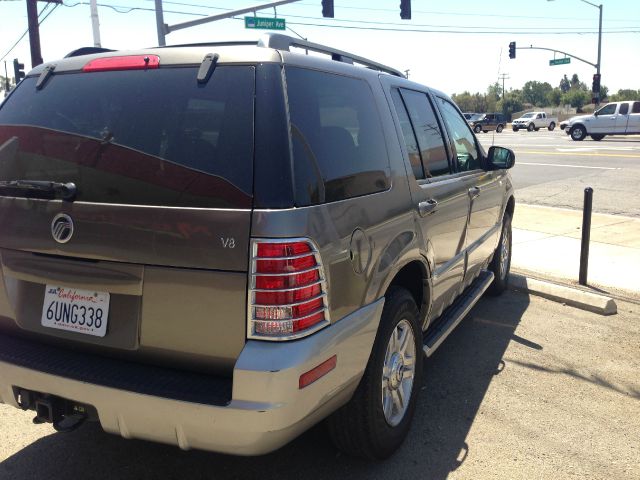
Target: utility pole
[
  {"x": 95, "y": 23},
  {"x": 160, "y": 24},
  {"x": 34, "y": 32},
  {"x": 503, "y": 76}
]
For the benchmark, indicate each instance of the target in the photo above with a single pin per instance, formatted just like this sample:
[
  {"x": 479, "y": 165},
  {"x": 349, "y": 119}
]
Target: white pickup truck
[
  {"x": 534, "y": 121},
  {"x": 617, "y": 118}
]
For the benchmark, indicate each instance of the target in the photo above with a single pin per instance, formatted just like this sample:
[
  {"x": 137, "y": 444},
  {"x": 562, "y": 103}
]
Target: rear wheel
[
  {"x": 499, "y": 128},
  {"x": 501, "y": 263},
  {"x": 578, "y": 133},
  {"x": 597, "y": 137},
  {"x": 551, "y": 126},
  {"x": 377, "y": 419},
  {"x": 530, "y": 127},
  {"x": 477, "y": 129}
]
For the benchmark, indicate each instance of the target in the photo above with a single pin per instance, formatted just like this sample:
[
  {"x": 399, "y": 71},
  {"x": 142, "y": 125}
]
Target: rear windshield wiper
[{"x": 39, "y": 189}]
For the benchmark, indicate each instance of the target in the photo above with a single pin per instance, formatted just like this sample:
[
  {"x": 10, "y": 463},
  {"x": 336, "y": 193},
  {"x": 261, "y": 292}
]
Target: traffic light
[
  {"x": 512, "y": 50},
  {"x": 327, "y": 8},
  {"x": 595, "y": 86},
  {"x": 18, "y": 70},
  {"x": 405, "y": 9}
]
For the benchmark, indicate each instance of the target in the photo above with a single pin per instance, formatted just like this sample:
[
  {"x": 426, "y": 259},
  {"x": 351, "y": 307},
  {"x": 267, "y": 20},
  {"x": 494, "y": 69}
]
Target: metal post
[
  {"x": 586, "y": 235},
  {"x": 599, "y": 52},
  {"x": 95, "y": 23},
  {"x": 160, "y": 24},
  {"x": 34, "y": 33},
  {"x": 6, "y": 80}
]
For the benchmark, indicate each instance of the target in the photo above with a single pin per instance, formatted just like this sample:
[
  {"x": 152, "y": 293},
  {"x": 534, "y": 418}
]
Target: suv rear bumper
[{"x": 267, "y": 408}]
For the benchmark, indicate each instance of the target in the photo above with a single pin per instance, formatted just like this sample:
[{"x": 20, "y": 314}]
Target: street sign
[
  {"x": 560, "y": 61},
  {"x": 263, "y": 23}
]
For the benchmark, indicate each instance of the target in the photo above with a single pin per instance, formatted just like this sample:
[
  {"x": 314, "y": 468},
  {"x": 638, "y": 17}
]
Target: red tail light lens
[
  {"x": 127, "y": 62},
  {"x": 287, "y": 298}
]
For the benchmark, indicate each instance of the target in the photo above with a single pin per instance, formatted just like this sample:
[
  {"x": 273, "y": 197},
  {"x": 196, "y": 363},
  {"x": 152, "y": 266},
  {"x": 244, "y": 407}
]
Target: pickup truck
[
  {"x": 617, "y": 118},
  {"x": 534, "y": 121}
]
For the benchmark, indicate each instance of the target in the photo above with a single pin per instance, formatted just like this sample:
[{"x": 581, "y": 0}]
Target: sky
[{"x": 452, "y": 46}]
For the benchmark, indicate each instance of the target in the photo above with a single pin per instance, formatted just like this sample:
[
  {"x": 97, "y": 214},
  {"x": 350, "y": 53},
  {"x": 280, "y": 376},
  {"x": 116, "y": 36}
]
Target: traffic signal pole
[{"x": 34, "y": 32}]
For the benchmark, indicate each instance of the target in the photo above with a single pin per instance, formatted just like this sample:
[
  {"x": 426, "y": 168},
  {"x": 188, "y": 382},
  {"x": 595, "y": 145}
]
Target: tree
[
  {"x": 577, "y": 98},
  {"x": 554, "y": 97},
  {"x": 511, "y": 103},
  {"x": 625, "y": 94},
  {"x": 535, "y": 92},
  {"x": 575, "y": 81},
  {"x": 565, "y": 84}
]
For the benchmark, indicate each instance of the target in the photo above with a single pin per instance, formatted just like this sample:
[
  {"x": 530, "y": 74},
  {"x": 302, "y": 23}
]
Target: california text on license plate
[{"x": 80, "y": 311}]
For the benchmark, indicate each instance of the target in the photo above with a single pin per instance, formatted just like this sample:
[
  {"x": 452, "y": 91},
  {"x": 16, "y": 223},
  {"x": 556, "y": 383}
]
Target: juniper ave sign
[
  {"x": 262, "y": 23},
  {"x": 559, "y": 61}
]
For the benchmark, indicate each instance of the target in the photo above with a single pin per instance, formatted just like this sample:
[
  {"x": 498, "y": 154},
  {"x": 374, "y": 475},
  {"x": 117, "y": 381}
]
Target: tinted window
[
  {"x": 152, "y": 137},
  {"x": 636, "y": 107},
  {"x": 338, "y": 145},
  {"x": 467, "y": 155},
  {"x": 428, "y": 133},
  {"x": 608, "y": 109},
  {"x": 624, "y": 108},
  {"x": 409, "y": 135}
]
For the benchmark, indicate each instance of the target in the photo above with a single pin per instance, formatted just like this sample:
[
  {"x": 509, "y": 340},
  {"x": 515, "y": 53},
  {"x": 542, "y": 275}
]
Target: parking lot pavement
[{"x": 524, "y": 388}]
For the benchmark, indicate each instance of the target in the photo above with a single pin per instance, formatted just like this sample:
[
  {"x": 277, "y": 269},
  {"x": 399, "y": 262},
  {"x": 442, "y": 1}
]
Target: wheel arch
[{"x": 415, "y": 276}]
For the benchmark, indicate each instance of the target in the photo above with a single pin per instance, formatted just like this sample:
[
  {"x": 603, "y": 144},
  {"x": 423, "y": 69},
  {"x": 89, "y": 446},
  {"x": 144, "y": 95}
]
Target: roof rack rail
[
  {"x": 212, "y": 44},
  {"x": 87, "y": 51},
  {"x": 285, "y": 42}
]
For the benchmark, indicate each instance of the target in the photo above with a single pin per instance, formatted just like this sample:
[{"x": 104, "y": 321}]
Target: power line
[{"x": 27, "y": 30}]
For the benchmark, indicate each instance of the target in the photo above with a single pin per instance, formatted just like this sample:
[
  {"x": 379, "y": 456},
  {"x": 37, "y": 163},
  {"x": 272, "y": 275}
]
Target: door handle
[
  {"x": 474, "y": 192},
  {"x": 427, "y": 207}
]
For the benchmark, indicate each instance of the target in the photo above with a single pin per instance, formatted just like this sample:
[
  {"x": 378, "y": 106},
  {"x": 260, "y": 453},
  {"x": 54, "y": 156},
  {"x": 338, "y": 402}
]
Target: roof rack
[
  {"x": 87, "y": 51},
  {"x": 285, "y": 42}
]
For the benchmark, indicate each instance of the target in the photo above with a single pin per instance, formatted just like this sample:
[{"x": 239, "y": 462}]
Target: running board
[{"x": 452, "y": 316}]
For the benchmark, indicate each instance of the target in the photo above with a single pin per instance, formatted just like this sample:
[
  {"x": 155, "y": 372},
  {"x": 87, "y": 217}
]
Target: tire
[
  {"x": 499, "y": 128},
  {"x": 530, "y": 127},
  {"x": 551, "y": 126},
  {"x": 361, "y": 427},
  {"x": 477, "y": 128},
  {"x": 578, "y": 133},
  {"x": 597, "y": 137},
  {"x": 501, "y": 263}
]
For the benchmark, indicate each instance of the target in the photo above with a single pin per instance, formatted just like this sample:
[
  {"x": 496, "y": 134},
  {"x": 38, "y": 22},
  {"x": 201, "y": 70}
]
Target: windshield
[
  {"x": 477, "y": 116},
  {"x": 527, "y": 115},
  {"x": 153, "y": 137}
]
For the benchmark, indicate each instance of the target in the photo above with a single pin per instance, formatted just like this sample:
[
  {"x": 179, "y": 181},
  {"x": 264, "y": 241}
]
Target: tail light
[{"x": 287, "y": 296}]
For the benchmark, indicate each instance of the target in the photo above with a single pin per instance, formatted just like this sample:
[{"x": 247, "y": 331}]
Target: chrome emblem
[{"x": 62, "y": 228}]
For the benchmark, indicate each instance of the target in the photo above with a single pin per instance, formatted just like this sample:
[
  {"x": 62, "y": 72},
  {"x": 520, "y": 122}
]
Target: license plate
[{"x": 80, "y": 311}]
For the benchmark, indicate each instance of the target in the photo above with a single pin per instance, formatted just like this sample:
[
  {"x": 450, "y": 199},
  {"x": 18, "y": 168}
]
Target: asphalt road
[
  {"x": 553, "y": 170},
  {"x": 524, "y": 388}
]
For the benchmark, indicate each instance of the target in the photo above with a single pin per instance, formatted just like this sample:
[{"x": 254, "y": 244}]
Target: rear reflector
[
  {"x": 287, "y": 299},
  {"x": 318, "y": 372},
  {"x": 128, "y": 62}
]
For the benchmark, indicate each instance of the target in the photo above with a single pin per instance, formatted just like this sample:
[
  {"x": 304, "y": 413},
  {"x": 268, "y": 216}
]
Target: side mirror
[
  {"x": 500, "y": 158},
  {"x": 596, "y": 113}
]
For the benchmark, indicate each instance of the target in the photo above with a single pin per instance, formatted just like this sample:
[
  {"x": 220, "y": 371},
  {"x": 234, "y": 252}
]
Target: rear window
[
  {"x": 153, "y": 137},
  {"x": 338, "y": 144}
]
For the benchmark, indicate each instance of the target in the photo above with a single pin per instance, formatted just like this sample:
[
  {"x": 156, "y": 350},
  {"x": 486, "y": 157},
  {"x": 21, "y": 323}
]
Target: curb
[{"x": 592, "y": 302}]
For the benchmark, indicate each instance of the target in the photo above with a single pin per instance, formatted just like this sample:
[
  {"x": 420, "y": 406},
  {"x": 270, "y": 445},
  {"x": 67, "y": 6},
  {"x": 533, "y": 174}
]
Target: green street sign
[
  {"x": 262, "y": 23},
  {"x": 560, "y": 61}
]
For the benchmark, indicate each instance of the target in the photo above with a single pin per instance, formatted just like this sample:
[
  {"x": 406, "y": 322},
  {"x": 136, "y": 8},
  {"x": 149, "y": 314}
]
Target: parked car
[
  {"x": 484, "y": 122},
  {"x": 196, "y": 255},
  {"x": 534, "y": 121},
  {"x": 617, "y": 118}
]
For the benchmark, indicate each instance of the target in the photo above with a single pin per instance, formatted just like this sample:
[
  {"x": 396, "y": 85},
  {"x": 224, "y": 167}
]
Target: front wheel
[
  {"x": 578, "y": 133},
  {"x": 501, "y": 263},
  {"x": 499, "y": 128},
  {"x": 530, "y": 127},
  {"x": 597, "y": 137},
  {"x": 376, "y": 420},
  {"x": 477, "y": 129},
  {"x": 551, "y": 126}
]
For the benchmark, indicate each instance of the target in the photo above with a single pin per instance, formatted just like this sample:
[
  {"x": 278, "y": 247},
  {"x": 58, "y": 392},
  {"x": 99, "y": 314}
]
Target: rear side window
[
  {"x": 338, "y": 144},
  {"x": 636, "y": 107},
  {"x": 428, "y": 133},
  {"x": 624, "y": 108},
  {"x": 153, "y": 137}
]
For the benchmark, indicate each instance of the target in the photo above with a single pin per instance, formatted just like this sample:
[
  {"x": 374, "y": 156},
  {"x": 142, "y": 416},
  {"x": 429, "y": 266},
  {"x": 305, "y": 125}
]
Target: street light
[{"x": 599, "y": 7}]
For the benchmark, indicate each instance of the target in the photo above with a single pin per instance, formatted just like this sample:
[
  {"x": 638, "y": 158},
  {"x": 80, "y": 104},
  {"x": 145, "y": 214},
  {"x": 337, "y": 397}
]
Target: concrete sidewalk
[{"x": 546, "y": 244}]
